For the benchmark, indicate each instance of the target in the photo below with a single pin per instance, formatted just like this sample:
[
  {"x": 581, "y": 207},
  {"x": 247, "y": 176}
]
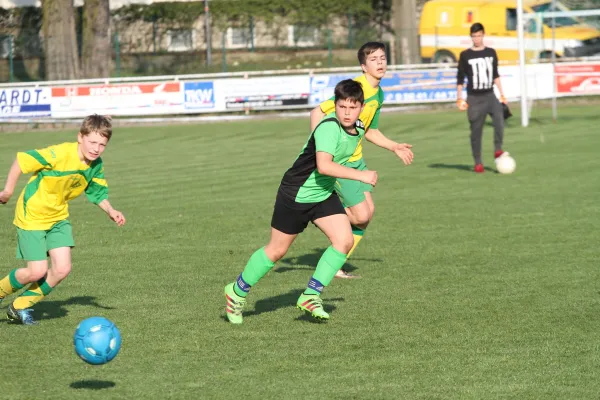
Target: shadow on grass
[
  {"x": 92, "y": 384},
  {"x": 309, "y": 262},
  {"x": 461, "y": 167},
  {"x": 59, "y": 309}
]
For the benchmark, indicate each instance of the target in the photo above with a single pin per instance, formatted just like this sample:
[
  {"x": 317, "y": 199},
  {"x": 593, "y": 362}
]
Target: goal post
[{"x": 536, "y": 45}]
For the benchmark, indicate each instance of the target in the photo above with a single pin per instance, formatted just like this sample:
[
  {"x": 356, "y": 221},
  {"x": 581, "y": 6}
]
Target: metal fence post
[
  {"x": 117, "y": 55},
  {"x": 224, "y": 51},
  {"x": 329, "y": 48},
  {"x": 11, "y": 67}
]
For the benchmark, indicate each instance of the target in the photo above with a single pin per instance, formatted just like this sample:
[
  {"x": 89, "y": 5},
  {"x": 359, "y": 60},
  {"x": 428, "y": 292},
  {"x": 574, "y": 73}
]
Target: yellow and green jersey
[
  {"x": 58, "y": 176},
  {"x": 369, "y": 115}
]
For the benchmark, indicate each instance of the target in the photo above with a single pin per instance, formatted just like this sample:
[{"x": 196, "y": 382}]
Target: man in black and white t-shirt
[{"x": 479, "y": 65}]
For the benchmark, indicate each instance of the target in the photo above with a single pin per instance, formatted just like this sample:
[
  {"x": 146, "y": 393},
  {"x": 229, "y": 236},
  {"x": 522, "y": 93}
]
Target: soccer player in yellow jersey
[
  {"x": 355, "y": 195},
  {"x": 60, "y": 173}
]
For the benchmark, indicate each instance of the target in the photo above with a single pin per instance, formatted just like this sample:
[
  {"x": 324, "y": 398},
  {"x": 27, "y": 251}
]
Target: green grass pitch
[{"x": 474, "y": 286}]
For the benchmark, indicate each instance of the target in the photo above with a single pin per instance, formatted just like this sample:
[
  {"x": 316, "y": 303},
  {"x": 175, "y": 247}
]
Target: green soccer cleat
[
  {"x": 235, "y": 305},
  {"x": 312, "y": 304}
]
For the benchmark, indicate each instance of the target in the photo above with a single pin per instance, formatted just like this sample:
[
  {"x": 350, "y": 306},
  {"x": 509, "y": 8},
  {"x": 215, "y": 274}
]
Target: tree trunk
[
  {"x": 96, "y": 52},
  {"x": 60, "y": 40},
  {"x": 404, "y": 15}
]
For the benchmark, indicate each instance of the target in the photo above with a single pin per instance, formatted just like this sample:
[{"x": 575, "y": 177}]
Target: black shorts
[{"x": 292, "y": 218}]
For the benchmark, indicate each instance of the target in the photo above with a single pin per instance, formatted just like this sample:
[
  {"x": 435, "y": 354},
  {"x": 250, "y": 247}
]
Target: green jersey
[{"x": 302, "y": 182}]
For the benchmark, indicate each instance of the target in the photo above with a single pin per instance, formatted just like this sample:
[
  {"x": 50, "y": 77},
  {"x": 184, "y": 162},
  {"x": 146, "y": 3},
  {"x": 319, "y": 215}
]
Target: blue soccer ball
[{"x": 97, "y": 340}]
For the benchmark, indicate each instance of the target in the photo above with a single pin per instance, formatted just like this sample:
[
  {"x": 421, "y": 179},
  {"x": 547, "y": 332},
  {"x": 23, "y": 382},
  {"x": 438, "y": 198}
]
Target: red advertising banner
[{"x": 577, "y": 79}]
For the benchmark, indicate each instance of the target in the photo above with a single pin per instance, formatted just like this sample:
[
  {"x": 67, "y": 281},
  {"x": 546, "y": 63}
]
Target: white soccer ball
[{"x": 505, "y": 164}]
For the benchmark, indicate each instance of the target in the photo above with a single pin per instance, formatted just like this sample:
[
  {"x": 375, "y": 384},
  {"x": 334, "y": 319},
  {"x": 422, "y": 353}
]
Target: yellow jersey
[
  {"x": 58, "y": 176},
  {"x": 369, "y": 115}
]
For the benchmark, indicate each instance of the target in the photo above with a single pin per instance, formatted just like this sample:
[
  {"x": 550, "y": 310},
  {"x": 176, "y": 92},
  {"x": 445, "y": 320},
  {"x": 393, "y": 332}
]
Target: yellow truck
[{"x": 444, "y": 30}]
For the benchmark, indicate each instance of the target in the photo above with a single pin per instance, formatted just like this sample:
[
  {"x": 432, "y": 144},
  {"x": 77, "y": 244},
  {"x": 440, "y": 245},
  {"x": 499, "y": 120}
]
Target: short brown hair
[
  {"x": 349, "y": 89},
  {"x": 100, "y": 124},
  {"x": 367, "y": 49}
]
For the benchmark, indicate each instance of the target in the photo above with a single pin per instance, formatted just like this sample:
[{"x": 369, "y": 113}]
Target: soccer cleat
[
  {"x": 345, "y": 275},
  {"x": 479, "y": 168},
  {"x": 235, "y": 305},
  {"x": 23, "y": 316},
  {"x": 312, "y": 304},
  {"x": 499, "y": 153}
]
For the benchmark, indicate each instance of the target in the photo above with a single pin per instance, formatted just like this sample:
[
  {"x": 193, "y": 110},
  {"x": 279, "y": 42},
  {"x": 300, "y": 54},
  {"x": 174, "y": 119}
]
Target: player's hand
[
  {"x": 404, "y": 152},
  {"x": 503, "y": 100},
  {"x": 462, "y": 104},
  {"x": 117, "y": 216},
  {"x": 5, "y": 197},
  {"x": 369, "y": 177}
]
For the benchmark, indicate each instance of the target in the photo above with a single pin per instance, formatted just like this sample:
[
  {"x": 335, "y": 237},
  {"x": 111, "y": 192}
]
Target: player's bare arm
[
  {"x": 500, "y": 90},
  {"x": 11, "y": 181},
  {"x": 115, "y": 215},
  {"x": 326, "y": 166},
  {"x": 402, "y": 150},
  {"x": 460, "y": 80}
]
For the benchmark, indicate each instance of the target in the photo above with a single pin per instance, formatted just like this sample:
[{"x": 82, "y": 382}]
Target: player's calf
[{"x": 34, "y": 271}]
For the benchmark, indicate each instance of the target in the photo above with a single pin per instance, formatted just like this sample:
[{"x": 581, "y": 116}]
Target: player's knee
[
  {"x": 343, "y": 244},
  {"x": 275, "y": 253},
  {"x": 61, "y": 270},
  {"x": 362, "y": 216}
]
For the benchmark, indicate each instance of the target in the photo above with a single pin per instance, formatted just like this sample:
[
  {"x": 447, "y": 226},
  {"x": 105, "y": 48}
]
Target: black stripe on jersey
[{"x": 303, "y": 167}]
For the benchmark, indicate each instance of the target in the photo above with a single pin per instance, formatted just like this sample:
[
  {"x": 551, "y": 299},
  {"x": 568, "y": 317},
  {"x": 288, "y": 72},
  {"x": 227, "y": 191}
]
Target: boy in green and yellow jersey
[
  {"x": 355, "y": 195},
  {"x": 60, "y": 173}
]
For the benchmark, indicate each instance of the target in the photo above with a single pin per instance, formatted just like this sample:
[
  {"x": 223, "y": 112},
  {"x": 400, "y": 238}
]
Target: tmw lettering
[{"x": 199, "y": 96}]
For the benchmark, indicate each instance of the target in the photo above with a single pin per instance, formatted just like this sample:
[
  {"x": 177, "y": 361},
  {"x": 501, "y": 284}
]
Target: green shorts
[
  {"x": 34, "y": 245},
  {"x": 352, "y": 192}
]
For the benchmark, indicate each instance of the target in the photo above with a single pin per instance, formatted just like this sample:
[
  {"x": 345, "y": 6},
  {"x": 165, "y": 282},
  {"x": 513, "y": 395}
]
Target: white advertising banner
[
  {"x": 539, "y": 81},
  {"x": 27, "y": 102},
  {"x": 117, "y": 99},
  {"x": 257, "y": 93}
]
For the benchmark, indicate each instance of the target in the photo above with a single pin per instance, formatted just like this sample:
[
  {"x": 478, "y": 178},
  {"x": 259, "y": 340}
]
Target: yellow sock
[
  {"x": 9, "y": 284},
  {"x": 358, "y": 235},
  {"x": 33, "y": 295}
]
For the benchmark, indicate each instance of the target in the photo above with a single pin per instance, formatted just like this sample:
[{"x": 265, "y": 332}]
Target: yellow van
[{"x": 444, "y": 30}]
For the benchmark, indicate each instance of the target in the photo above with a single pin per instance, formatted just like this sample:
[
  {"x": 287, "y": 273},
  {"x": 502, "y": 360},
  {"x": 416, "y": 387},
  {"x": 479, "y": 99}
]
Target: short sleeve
[
  {"x": 461, "y": 72},
  {"x": 328, "y": 106},
  {"x": 375, "y": 120},
  {"x": 326, "y": 137},
  {"x": 36, "y": 160},
  {"x": 496, "y": 74},
  {"x": 97, "y": 189}
]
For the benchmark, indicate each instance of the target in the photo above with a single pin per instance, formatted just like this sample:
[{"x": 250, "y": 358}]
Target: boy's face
[
  {"x": 91, "y": 146},
  {"x": 347, "y": 112},
  {"x": 375, "y": 64},
  {"x": 477, "y": 39}
]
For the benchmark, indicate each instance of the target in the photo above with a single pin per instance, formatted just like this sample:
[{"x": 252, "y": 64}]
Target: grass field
[{"x": 474, "y": 286}]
